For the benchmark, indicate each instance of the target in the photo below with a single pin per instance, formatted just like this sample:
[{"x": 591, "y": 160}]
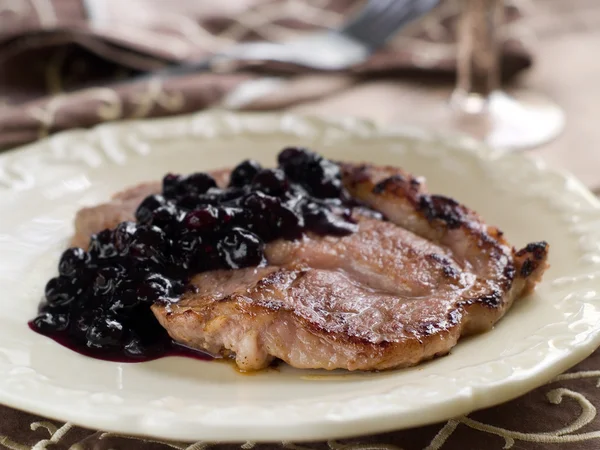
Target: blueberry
[
  {"x": 141, "y": 266},
  {"x": 296, "y": 162},
  {"x": 288, "y": 223},
  {"x": 124, "y": 299},
  {"x": 80, "y": 322},
  {"x": 188, "y": 242},
  {"x": 321, "y": 220},
  {"x": 241, "y": 248},
  {"x": 107, "y": 280},
  {"x": 191, "y": 201},
  {"x": 184, "y": 251},
  {"x": 155, "y": 288},
  {"x": 105, "y": 332},
  {"x": 294, "y": 156},
  {"x": 214, "y": 197},
  {"x": 62, "y": 290},
  {"x": 244, "y": 173},
  {"x": 73, "y": 261},
  {"x": 258, "y": 201},
  {"x": 165, "y": 217},
  {"x": 321, "y": 177},
  {"x": 269, "y": 218},
  {"x": 149, "y": 243},
  {"x": 328, "y": 186},
  {"x": 296, "y": 193},
  {"x": 230, "y": 195},
  {"x": 271, "y": 181},
  {"x": 143, "y": 214},
  {"x": 48, "y": 322},
  {"x": 207, "y": 257},
  {"x": 229, "y": 216},
  {"x": 102, "y": 246},
  {"x": 202, "y": 220},
  {"x": 196, "y": 183},
  {"x": 53, "y": 307},
  {"x": 123, "y": 236},
  {"x": 170, "y": 184}
]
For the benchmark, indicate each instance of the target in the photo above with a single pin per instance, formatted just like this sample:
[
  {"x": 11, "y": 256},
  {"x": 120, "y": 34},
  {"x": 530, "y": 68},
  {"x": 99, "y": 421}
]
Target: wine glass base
[{"x": 518, "y": 121}]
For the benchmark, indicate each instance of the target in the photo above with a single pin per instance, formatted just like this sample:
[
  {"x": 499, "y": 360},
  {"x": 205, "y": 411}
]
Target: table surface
[{"x": 565, "y": 69}]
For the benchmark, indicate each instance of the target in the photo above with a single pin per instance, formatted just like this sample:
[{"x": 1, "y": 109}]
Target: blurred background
[{"x": 519, "y": 74}]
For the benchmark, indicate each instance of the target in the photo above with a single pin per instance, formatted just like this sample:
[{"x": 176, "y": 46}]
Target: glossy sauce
[
  {"x": 99, "y": 304},
  {"x": 166, "y": 348}
]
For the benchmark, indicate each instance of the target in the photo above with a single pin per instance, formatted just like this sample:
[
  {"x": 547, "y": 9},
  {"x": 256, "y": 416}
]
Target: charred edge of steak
[
  {"x": 438, "y": 207},
  {"x": 446, "y": 264},
  {"x": 535, "y": 253},
  {"x": 397, "y": 180},
  {"x": 431, "y": 327},
  {"x": 433, "y": 207},
  {"x": 444, "y": 210},
  {"x": 355, "y": 174},
  {"x": 492, "y": 299},
  {"x": 408, "y": 186},
  {"x": 527, "y": 268},
  {"x": 337, "y": 336},
  {"x": 537, "y": 249},
  {"x": 453, "y": 215}
]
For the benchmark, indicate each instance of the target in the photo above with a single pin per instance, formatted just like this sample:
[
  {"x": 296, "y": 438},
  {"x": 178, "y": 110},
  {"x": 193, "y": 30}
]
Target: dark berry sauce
[
  {"x": 99, "y": 304},
  {"x": 159, "y": 350}
]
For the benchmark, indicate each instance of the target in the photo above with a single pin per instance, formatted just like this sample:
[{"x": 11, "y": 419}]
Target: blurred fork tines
[
  {"x": 379, "y": 20},
  {"x": 341, "y": 48},
  {"x": 336, "y": 49}
]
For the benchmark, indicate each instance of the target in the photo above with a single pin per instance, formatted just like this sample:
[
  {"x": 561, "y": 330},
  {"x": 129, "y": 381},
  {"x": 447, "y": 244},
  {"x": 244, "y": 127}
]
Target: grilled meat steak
[{"x": 392, "y": 294}]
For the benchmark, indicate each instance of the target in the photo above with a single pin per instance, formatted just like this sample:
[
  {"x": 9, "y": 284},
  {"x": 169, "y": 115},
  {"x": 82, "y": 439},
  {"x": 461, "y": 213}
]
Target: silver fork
[
  {"x": 351, "y": 44},
  {"x": 338, "y": 49}
]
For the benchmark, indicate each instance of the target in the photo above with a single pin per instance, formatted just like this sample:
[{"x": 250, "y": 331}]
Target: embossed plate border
[{"x": 66, "y": 167}]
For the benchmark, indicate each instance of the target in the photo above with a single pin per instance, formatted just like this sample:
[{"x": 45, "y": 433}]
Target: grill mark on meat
[
  {"x": 380, "y": 255},
  {"x": 449, "y": 270},
  {"x": 537, "y": 249},
  {"x": 391, "y": 295},
  {"x": 359, "y": 175},
  {"x": 437, "y": 207},
  {"x": 429, "y": 328},
  {"x": 533, "y": 256},
  {"x": 527, "y": 268},
  {"x": 492, "y": 299},
  {"x": 388, "y": 183}
]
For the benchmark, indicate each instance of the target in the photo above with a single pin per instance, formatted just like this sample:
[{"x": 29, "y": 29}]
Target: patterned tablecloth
[
  {"x": 56, "y": 72},
  {"x": 560, "y": 415}
]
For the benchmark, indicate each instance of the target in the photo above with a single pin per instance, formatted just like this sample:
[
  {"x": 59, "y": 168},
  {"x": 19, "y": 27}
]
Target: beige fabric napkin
[{"x": 59, "y": 61}]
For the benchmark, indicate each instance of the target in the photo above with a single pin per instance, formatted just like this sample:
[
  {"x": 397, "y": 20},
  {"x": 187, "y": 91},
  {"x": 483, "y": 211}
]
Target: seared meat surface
[{"x": 392, "y": 294}]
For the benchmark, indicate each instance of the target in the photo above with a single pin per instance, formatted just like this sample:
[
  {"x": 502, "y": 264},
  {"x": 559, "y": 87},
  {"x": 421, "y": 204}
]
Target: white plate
[{"x": 42, "y": 185}]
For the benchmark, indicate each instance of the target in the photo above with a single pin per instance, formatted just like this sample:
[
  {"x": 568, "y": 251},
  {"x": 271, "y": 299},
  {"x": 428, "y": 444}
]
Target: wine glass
[{"x": 480, "y": 108}]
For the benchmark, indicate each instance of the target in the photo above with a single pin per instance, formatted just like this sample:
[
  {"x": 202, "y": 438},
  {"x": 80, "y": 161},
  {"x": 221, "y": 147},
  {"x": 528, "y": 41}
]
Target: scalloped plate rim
[{"x": 369, "y": 422}]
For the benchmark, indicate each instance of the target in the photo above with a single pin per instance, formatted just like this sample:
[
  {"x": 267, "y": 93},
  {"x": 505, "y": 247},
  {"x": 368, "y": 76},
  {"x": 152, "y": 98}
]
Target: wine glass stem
[{"x": 478, "y": 65}]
